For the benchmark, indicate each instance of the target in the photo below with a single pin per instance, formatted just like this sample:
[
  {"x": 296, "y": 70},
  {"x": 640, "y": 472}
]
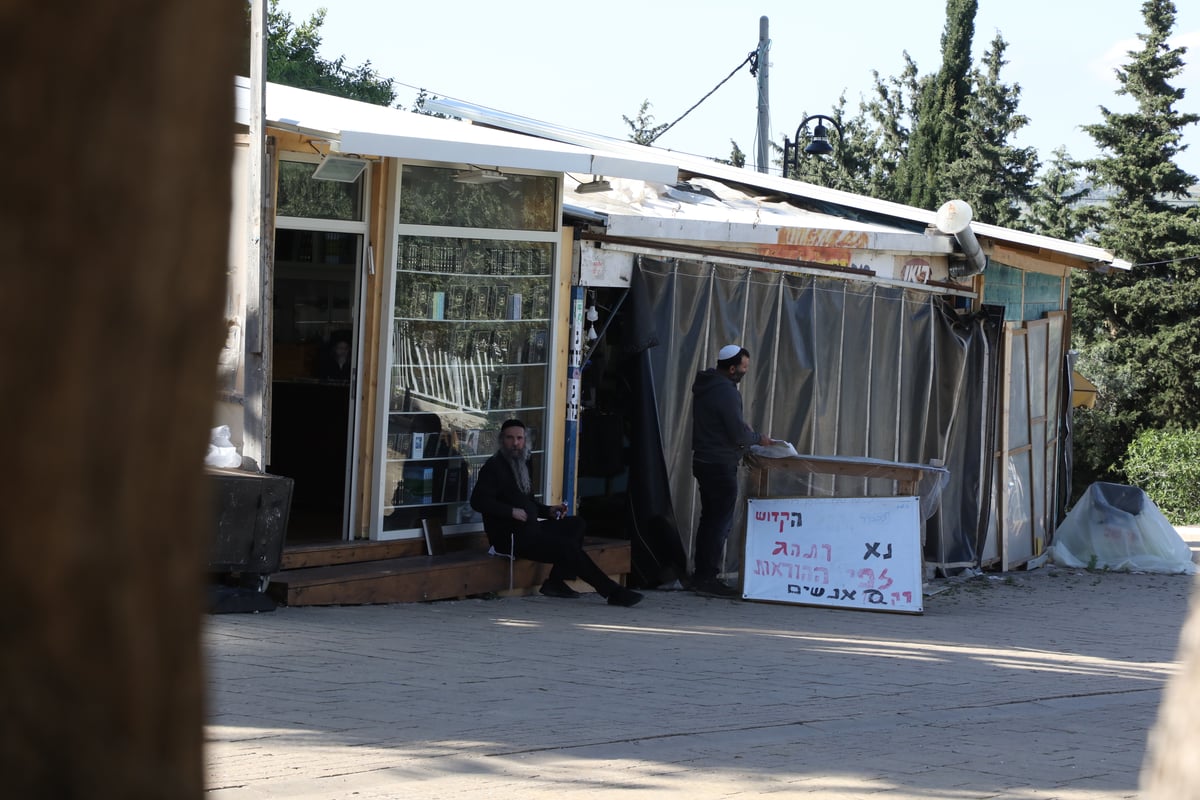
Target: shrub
[{"x": 1165, "y": 464}]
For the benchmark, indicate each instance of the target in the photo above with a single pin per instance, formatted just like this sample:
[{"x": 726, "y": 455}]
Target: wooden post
[{"x": 114, "y": 220}]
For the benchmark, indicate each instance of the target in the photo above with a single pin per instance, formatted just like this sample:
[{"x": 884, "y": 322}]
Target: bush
[{"x": 1166, "y": 466}]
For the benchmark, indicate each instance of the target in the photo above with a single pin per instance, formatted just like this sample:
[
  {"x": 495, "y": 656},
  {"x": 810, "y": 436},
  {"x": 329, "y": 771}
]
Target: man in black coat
[{"x": 516, "y": 523}]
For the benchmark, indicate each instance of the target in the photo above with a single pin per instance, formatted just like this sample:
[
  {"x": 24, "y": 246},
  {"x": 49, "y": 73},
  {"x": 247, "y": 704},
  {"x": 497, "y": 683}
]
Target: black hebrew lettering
[
  {"x": 872, "y": 550},
  {"x": 874, "y": 597},
  {"x": 794, "y": 589}
]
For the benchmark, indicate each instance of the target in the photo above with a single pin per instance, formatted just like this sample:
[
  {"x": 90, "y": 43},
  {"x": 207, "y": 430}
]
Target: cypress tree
[{"x": 937, "y": 137}]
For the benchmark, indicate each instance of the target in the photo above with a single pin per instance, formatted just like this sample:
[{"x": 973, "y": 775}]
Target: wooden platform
[{"x": 351, "y": 573}]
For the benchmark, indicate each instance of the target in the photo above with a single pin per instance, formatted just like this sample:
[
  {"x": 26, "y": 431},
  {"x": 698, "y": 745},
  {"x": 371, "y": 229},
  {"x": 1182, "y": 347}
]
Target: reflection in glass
[
  {"x": 301, "y": 196},
  {"x": 431, "y": 196}
]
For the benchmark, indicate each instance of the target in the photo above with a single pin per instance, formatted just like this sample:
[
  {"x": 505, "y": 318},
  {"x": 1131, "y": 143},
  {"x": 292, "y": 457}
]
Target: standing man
[
  {"x": 719, "y": 439},
  {"x": 503, "y": 494}
]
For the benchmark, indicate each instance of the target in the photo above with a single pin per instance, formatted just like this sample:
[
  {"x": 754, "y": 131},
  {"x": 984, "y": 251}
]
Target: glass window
[
  {"x": 432, "y": 196},
  {"x": 301, "y": 196},
  {"x": 470, "y": 349}
]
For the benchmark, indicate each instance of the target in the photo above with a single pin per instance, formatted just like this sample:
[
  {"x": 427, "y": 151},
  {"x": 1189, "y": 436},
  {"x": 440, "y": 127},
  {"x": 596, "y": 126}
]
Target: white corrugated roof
[
  {"x": 769, "y": 184},
  {"x": 365, "y": 129}
]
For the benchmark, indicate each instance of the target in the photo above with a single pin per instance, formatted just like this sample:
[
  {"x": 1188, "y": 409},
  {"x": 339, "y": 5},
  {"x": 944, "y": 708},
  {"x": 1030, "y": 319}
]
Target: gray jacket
[{"x": 719, "y": 434}]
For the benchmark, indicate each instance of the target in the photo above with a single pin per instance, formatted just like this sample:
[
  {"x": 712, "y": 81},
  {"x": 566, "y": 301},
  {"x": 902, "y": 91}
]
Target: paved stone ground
[{"x": 1040, "y": 684}]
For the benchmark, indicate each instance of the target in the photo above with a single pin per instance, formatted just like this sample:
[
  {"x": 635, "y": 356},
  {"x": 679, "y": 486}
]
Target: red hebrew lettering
[
  {"x": 885, "y": 582},
  {"x": 812, "y": 552},
  {"x": 760, "y": 516},
  {"x": 776, "y": 569},
  {"x": 780, "y": 547},
  {"x": 868, "y": 576},
  {"x": 825, "y": 574},
  {"x": 828, "y": 548},
  {"x": 762, "y": 567},
  {"x": 795, "y": 549}
]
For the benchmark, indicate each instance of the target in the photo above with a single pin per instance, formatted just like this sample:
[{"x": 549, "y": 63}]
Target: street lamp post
[{"x": 817, "y": 146}]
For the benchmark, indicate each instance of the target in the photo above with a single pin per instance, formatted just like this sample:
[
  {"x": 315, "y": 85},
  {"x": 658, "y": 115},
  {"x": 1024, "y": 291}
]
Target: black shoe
[
  {"x": 621, "y": 596},
  {"x": 558, "y": 589},
  {"x": 715, "y": 587}
]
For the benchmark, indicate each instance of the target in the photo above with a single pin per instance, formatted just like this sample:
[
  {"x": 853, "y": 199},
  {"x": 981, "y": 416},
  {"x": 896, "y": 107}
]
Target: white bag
[{"x": 221, "y": 452}]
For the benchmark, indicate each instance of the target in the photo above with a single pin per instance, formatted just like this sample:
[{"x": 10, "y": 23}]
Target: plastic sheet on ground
[{"x": 1118, "y": 527}]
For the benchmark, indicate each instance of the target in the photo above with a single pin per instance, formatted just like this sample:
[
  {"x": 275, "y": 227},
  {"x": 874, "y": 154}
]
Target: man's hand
[
  {"x": 560, "y": 510},
  {"x": 520, "y": 515},
  {"x": 765, "y": 441}
]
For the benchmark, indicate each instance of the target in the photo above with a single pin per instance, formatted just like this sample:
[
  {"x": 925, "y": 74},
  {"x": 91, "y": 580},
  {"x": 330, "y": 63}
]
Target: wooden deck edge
[{"x": 421, "y": 578}]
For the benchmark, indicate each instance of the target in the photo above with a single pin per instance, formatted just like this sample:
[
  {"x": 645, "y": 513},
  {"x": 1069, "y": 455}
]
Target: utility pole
[{"x": 764, "y": 104}]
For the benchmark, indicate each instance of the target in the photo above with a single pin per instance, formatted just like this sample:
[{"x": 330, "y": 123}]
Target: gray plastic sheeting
[{"x": 838, "y": 368}]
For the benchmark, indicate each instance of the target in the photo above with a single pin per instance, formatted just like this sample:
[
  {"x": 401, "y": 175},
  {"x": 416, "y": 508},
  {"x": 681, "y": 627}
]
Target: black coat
[{"x": 496, "y": 494}]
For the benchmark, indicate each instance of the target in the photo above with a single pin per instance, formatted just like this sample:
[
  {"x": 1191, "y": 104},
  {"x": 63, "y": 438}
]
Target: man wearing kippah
[{"x": 720, "y": 437}]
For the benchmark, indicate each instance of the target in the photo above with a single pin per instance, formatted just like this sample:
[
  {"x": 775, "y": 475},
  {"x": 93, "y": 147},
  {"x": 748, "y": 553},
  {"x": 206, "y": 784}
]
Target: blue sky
[{"x": 585, "y": 65}]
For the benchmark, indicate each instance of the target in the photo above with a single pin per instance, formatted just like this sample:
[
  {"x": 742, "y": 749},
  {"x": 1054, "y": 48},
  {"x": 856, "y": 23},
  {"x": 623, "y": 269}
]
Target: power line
[
  {"x": 749, "y": 58},
  {"x": 1165, "y": 261}
]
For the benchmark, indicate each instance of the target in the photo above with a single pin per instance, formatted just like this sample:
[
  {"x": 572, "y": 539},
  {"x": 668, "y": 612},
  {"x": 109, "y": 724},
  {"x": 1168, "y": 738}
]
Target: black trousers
[
  {"x": 559, "y": 542},
  {"x": 718, "y": 502}
]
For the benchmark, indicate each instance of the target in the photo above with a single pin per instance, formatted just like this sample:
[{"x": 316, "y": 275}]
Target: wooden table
[{"x": 907, "y": 476}]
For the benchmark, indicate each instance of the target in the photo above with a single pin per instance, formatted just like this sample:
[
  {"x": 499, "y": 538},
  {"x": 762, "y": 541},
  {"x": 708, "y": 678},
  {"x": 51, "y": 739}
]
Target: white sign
[{"x": 846, "y": 552}]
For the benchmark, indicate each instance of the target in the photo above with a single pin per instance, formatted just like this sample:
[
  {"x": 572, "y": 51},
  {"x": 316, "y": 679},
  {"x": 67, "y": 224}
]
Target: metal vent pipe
[{"x": 954, "y": 218}]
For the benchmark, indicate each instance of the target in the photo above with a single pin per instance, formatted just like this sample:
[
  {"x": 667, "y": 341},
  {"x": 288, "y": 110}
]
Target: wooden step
[
  {"x": 416, "y": 578},
  {"x": 360, "y": 550}
]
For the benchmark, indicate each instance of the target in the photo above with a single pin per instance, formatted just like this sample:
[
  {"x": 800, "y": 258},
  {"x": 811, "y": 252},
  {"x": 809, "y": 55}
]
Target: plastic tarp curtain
[{"x": 838, "y": 368}]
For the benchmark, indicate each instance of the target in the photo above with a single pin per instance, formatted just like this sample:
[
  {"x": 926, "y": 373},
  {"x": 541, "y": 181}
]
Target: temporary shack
[
  {"x": 873, "y": 333},
  {"x": 426, "y": 278}
]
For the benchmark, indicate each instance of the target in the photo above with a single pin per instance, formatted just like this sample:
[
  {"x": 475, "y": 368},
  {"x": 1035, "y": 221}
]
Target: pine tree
[
  {"x": 888, "y": 119},
  {"x": 1052, "y": 208},
  {"x": 642, "y": 129},
  {"x": 991, "y": 174},
  {"x": 1139, "y": 331},
  {"x": 937, "y": 138}
]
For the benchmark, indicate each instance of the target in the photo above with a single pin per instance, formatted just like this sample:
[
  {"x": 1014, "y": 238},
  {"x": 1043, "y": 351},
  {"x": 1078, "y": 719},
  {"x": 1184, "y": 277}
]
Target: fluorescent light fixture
[
  {"x": 479, "y": 176},
  {"x": 592, "y": 186},
  {"x": 339, "y": 168}
]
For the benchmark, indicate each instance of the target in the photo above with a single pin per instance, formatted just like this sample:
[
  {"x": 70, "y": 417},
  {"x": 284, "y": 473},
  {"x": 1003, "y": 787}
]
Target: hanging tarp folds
[{"x": 842, "y": 368}]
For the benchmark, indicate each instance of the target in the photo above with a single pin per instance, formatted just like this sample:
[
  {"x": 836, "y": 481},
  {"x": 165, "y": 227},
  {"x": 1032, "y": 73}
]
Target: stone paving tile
[{"x": 1029, "y": 686}]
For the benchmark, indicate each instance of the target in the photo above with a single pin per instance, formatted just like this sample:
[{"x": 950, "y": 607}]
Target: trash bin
[{"x": 250, "y": 518}]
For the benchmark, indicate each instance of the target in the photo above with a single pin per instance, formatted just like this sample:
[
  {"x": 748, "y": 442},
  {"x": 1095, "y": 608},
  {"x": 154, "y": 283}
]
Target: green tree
[
  {"x": 883, "y": 126},
  {"x": 642, "y": 129},
  {"x": 1052, "y": 209},
  {"x": 1139, "y": 330},
  {"x": 991, "y": 174},
  {"x": 292, "y": 60},
  {"x": 737, "y": 158},
  {"x": 938, "y": 133}
]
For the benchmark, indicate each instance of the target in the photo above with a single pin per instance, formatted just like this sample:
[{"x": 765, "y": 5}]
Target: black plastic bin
[{"x": 250, "y": 518}]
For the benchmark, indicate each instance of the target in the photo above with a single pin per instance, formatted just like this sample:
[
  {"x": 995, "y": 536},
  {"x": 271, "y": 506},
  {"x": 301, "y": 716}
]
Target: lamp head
[{"x": 819, "y": 145}]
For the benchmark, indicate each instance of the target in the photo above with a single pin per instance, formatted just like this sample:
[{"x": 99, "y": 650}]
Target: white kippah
[{"x": 728, "y": 351}]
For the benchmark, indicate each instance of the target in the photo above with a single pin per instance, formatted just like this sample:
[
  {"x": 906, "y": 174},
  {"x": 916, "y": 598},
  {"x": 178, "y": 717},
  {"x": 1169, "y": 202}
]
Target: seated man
[{"x": 503, "y": 494}]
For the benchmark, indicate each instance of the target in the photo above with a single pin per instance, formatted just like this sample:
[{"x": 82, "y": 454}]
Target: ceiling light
[
  {"x": 596, "y": 185},
  {"x": 339, "y": 168},
  {"x": 479, "y": 176}
]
